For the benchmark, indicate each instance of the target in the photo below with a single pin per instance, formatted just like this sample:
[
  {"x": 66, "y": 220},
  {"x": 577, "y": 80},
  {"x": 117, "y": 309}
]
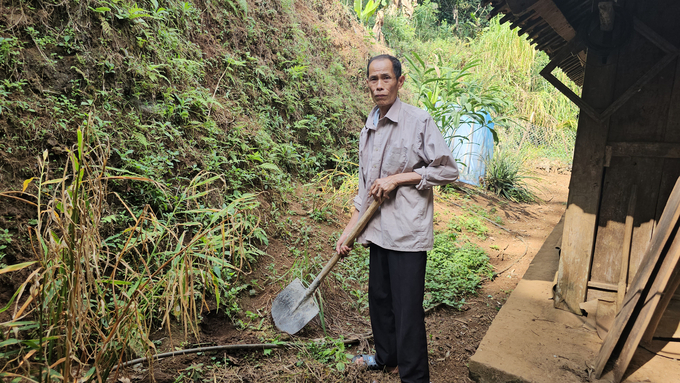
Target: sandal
[{"x": 367, "y": 360}]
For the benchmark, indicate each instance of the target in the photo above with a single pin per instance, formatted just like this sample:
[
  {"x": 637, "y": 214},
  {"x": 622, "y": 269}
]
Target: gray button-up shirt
[{"x": 405, "y": 140}]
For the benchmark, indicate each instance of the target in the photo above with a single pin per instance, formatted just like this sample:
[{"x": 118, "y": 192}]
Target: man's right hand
[{"x": 340, "y": 248}]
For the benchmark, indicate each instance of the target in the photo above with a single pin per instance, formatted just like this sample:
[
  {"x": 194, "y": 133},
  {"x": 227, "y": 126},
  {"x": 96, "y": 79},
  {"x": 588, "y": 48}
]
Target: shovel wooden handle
[{"x": 358, "y": 228}]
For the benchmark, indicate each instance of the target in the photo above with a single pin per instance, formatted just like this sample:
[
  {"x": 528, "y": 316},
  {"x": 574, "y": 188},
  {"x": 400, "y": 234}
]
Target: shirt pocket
[{"x": 395, "y": 160}]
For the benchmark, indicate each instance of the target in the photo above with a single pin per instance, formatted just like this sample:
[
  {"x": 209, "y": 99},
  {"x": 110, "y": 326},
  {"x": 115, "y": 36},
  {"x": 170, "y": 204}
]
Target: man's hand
[
  {"x": 382, "y": 187},
  {"x": 339, "y": 247},
  {"x": 342, "y": 249}
]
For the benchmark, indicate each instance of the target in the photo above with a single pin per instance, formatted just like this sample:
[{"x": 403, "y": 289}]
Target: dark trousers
[{"x": 396, "y": 285}]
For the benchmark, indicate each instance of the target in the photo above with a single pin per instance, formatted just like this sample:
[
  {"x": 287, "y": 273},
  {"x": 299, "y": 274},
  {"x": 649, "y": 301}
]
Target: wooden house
[{"x": 624, "y": 54}]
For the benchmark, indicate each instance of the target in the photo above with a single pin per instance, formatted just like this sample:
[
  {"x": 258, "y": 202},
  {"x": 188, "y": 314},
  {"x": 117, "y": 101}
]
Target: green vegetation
[
  {"x": 153, "y": 150},
  {"x": 450, "y": 100},
  {"x": 354, "y": 277},
  {"x": 100, "y": 297},
  {"x": 364, "y": 13},
  {"x": 455, "y": 268},
  {"x": 157, "y": 126},
  {"x": 506, "y": 177},
  {"x": 454, "y": 271},
  {"x": 330, "y": 351},
  {"x": 485, "y": 67},
  {"x": 470, "y": 224},
  {"x": 5, "y": 239}
]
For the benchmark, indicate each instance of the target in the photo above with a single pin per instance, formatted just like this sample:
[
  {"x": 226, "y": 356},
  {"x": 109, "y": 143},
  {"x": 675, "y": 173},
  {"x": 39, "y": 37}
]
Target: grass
[
  {"x": 88, "y": 302},
  {"x": 353, "y": 276}
]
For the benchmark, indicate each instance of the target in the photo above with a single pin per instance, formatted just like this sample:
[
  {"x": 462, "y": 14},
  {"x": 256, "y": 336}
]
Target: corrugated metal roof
[{"x": 550, "y": 25}]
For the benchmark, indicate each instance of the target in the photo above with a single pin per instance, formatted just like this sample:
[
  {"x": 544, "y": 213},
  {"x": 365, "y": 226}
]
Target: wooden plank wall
[
  {"x": 580, "y": 217},
  {"x": 643, "y": 138}
]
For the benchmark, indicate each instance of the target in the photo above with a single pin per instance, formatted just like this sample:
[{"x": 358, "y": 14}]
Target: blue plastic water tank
[{"x": 471, "y": 144}]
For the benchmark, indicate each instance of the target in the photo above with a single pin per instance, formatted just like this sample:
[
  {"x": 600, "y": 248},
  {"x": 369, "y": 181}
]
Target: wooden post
[{"x": 580, "y": 220}]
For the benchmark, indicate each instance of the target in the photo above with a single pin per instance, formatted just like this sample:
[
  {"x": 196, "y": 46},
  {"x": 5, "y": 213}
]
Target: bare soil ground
[{"x": 453, "y": 335}]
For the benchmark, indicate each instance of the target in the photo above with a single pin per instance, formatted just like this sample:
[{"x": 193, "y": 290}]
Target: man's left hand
[{"x": 382, "y": 187}]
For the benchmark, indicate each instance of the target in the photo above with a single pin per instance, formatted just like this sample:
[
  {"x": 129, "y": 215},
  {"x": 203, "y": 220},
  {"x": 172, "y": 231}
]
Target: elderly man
[{"x": 402, "y": 155}]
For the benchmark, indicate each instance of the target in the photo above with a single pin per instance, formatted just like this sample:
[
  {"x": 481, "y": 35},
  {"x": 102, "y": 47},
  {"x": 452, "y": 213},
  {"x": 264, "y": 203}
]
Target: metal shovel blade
[{"x": 291, "y": 315}]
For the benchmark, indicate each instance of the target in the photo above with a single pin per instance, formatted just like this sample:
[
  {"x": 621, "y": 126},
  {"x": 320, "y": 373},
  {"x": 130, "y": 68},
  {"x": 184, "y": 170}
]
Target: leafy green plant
[
  {"x": 353, "y": 276},
  {"x": 10, "y": 51},
  {"x": 471, "y": 224},
  {"x": 322, "y": 214},
  {"x": 193, "y": 373},
  {"x": 451, "y": 100},
  {"x": 506, "y": 177},
  {"x": 5, "y": 239},
  {"x": 365, "y": 12},
  {"x": 454, "y": 271},
  {"x": 328, "y": 351}
]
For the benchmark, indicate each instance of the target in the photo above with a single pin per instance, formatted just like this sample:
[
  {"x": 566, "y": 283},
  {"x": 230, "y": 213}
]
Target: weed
[
  {"x": 328, "y": 351},
  {"x": 10, "y": 52},
  {"x": 454, "y": 271},
  {"x": 471, "y": 224},
  {"x": 193, "y": 373},
  {"x": 353, "y": 277},
  {"x": 322, "y": 214},
  {"x": 5, "y": 239},
  {"x": 506, "y": 177},
  {"x": 254, "y": 321}
]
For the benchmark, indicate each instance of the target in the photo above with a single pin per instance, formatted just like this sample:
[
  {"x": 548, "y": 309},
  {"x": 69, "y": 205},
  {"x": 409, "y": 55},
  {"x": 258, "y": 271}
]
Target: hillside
[
  {"x": 260, "y": 93},
  {"x": 135, "y": 131}
]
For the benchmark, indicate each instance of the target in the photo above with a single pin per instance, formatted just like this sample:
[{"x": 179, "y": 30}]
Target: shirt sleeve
[
  {"x": 442, "y": 168},
  {"x": 361, "y": 194}
]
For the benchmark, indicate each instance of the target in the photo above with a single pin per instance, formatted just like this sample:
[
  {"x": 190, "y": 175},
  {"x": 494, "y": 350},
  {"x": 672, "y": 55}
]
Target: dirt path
[
  {"x": 456, "y": 334},
  {"x": 453, "y": 335}
]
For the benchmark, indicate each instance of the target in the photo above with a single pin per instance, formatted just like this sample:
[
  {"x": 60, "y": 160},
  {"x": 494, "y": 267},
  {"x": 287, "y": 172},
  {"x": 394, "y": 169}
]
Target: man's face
[{"x": 383, "y": 83}]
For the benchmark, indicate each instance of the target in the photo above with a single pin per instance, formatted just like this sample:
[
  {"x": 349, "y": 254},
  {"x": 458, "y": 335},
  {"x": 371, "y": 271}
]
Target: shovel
[{"x": 294, "y": 307}]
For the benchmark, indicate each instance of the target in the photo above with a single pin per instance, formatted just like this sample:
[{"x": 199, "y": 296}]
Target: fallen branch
[{"x": 252, "y": 346}]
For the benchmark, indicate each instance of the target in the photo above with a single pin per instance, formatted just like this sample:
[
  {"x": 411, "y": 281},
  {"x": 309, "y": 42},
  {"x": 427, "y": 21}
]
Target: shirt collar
[{"x": 392, "y": 114}]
